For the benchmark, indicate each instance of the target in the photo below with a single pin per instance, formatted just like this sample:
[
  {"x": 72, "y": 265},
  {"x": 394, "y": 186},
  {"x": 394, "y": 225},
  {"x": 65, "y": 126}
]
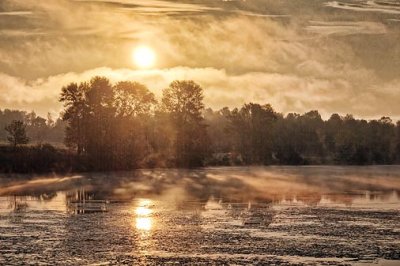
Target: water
[{"x": 244, "y": 215}]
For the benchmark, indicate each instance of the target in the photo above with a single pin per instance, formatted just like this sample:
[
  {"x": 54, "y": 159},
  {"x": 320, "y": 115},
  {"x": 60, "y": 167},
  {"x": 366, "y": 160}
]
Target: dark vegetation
[{"x": 122, "y": 126}]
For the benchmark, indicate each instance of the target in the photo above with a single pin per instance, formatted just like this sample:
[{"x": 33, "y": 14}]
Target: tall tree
[
  {"x": 253, "y": 126},
  {"x": 37, "y": 128},
  {"x": 16, "y": 133},
  {"x": 183, "y": 102},
  {"x": 108, "y": 123},
  {"x": 133, "y": 104},
  {"x": 218, "y": 130},
  {"x": 132, "y": 99},
  {"x": 97, "y": 122},
  {"x": 396, "y": 145},
  {"x": 75, "y": 113}
]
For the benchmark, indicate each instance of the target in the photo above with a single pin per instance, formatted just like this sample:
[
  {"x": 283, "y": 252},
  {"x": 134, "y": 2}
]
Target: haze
[{"x": 334, "y": 56}]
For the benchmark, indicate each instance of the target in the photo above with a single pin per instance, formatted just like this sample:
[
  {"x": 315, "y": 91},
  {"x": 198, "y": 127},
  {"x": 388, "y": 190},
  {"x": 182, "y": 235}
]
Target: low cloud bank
[{"x": 287, "y": 93}]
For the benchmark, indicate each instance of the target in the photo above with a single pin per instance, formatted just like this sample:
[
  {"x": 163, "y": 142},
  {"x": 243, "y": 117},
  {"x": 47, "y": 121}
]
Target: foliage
[
  {"x": 183, "y": 102},
  {"x": 107, "y": 123},
  {"x": 121, "y": 126},
  {"x": 17, "y": 133},
  {"x": 38, "y": 129}
]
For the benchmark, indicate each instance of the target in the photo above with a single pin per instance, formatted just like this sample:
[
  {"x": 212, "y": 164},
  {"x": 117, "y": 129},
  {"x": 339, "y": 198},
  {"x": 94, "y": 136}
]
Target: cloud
[
  {"x": 154, "y": 6},
  {"x": 287, "y": 93},
  {"x": 16, "y": 13},
  {"x": 346, "y": 27},
  {"x": 297, "y": 56},
  {"x": 251, "y": 36},
  {"x": 99, "y": 38},
  {"x": 389, "y": 7}
]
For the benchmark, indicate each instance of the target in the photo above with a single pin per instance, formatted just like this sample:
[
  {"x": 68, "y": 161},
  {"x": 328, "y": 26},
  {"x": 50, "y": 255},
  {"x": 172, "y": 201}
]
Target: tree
[
  {"x": 183, "y": 102},
  {"x": 108, "y": 123},
  {"x": 132, "y": 99},
  {"x": 218, "y": 130},
  {"x": 17, "y": 133},
  {"x": 253, "y": 127},
  {"x": 100, "y": 122},
  {"x": 133, "y": 104},
  {"x": 396, "y": 148},
  {"x": 73, "y": 97},
  {"x": 288, "y": 144},
  {"x": 37, "y": 128},
  {"x": 6, "y": 117}
]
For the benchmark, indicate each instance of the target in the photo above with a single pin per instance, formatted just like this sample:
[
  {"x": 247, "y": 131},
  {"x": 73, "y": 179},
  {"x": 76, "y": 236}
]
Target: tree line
[
  {"x": 123, "y": 126},
  {"x": 38, "y": 129}
]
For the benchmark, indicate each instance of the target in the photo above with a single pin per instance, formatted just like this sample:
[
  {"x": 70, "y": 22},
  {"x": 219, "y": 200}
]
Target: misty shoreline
[
  {"x": 231, "y": 168},
  {"x": 23, "y": 175}
]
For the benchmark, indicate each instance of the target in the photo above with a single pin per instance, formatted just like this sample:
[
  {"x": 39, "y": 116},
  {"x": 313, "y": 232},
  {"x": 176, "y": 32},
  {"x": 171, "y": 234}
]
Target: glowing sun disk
[{"x": 144, "y": 57}]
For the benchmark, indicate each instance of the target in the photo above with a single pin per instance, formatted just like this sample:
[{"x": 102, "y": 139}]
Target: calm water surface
[{"x": 218, "y": 216}]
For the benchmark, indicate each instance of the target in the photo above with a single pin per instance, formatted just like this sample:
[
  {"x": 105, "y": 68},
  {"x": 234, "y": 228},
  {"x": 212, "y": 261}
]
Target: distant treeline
[
  {"x": 123, "y": 126},
  {"x": 38, "y": 129}
]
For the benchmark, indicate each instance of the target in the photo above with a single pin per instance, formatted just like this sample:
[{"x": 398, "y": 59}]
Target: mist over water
[
  {"x": 311, "y": 185},
  {"x": 283, "y": 215}
]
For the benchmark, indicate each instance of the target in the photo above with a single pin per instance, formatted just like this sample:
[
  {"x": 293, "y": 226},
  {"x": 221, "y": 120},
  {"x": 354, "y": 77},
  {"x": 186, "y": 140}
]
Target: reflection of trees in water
[
  {"x": 199, "y": 185},
  {"x": 310, "y": 199},
  {"x": 257, "y": 214},
  {"x": 82, "y": 201},
  {"x": 18, "y": 206},
  {"x": 47, "y": 196},
  {"x": 254, "y": 214},
  {"x": 17, "y": 203},
  {"x": 306, "y": 185},
  {"x": 20, "y": 203}
]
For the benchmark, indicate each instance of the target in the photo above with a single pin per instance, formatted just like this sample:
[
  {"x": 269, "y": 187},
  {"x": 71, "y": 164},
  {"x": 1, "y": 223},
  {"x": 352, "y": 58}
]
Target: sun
[{"x": 144, "y": 57}]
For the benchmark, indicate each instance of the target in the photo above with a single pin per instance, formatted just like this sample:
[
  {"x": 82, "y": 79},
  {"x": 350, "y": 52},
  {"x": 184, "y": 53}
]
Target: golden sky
[{"x": 334, "y": 56}]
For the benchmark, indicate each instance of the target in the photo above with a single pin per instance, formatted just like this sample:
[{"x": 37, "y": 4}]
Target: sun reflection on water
[
  {"x": 143, "y": 212},
  {"x": 144, "y": 223}
]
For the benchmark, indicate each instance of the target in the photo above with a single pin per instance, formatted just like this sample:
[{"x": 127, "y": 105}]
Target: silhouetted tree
[
  {"x": 37, "y": 128},
  {"x": 218, "y": 127},
  {"x": 332, "y": 127},
  {"x": 132, "y": 99},
  {"x": 183, "y": 102},
  {"x": 108, "y": 124},
  {"x": 396, "y": 145},
  {"x": 253, "y": 126},
  {"x": 75, "y": 114},
  {"x": 6, "y": 117},
  {"x": 288, "y": 143},
  {"x": 134, "y": 104},
  {"x": 120, "y": 126},
  {"x": 16, "y": 133}
]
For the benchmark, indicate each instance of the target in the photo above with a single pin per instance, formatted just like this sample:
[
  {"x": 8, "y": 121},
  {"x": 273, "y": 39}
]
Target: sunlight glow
[
  {"x": 144, "y": 57},
  {"x": 144, "y": 223},
  {"x": 143, "y": 212}
]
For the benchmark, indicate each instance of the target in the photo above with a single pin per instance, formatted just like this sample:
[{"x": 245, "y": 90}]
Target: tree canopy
[
  {"x": 17, "y": 133},
  {"x": 122, "y": 126}
]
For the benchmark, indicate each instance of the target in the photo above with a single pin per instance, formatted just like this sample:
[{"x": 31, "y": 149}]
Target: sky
[{"x": 298, "y": 55}]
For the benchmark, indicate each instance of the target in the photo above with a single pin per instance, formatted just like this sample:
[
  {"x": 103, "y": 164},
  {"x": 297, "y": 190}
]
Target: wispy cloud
[
  {"x": 16, "y": 13},
  {"x": 287, "y": 93},
  {"x": 389, "y": 7},
  {"x": 346, "y": 27},
  {"x": 297, "y": 55},
  {"x": 154, "y": 6}
]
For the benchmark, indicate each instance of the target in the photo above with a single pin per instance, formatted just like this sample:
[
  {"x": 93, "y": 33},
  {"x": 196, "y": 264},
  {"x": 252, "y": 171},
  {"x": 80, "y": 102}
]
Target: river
[{"x": 313, "y": 215}]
